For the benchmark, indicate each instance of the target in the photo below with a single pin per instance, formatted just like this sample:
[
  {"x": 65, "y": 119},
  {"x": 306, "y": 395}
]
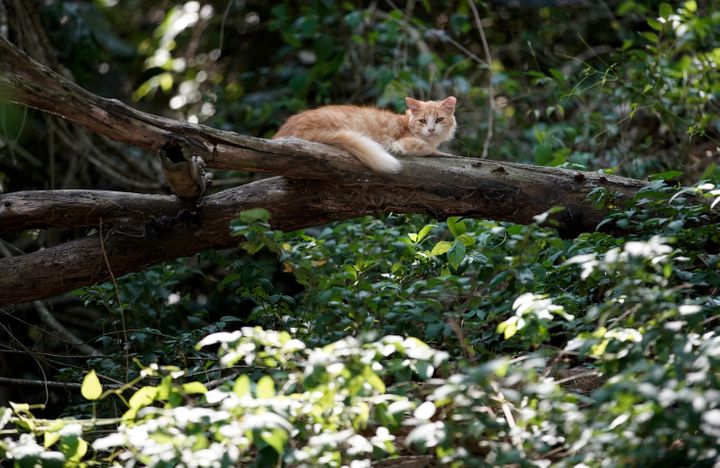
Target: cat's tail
[{"x": 367, "y": 150}]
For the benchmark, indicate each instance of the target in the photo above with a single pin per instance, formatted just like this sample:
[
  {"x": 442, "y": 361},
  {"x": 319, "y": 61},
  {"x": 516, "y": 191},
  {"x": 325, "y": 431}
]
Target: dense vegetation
[{"x": 460, "y": 342}]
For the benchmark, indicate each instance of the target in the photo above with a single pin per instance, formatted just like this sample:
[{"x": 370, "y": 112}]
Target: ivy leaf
[{"x": 91, "y": 388}]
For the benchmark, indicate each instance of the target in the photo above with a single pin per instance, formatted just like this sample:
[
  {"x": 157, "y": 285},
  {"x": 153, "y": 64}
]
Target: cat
[{"x": 371, "y": 134}]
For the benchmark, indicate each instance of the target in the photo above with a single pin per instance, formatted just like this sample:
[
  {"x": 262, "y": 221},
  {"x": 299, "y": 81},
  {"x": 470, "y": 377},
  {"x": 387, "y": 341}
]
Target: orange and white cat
[{"x": 371, "y": 134}]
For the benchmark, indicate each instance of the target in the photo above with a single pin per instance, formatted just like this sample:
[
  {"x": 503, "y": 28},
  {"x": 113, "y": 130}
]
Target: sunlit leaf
[
  {"x": 265, "y": 387},
  {"x": 143, "y": 397},
  {"x": 277, "y": 438},
  {"x": 440, "y": 248},
  {"x": 194, "y": 387},
  {"x": 91, "y": 388}
]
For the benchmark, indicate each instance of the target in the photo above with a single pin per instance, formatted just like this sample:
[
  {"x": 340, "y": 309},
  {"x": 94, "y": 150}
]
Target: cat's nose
[{"x": 431, "y": 130}]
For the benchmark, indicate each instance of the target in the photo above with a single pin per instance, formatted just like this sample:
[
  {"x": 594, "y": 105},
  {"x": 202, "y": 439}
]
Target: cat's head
[{"x": 432, "y": 120}]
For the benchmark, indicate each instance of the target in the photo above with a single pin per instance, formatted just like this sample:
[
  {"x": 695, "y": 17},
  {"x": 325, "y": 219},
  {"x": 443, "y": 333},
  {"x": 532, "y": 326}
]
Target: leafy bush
[
  {"x": 633, "y": 317},
  {"x": 309, "y": 348}
]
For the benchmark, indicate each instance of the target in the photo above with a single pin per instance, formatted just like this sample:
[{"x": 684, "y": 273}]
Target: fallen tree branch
[{"x": 152, "y": 228}]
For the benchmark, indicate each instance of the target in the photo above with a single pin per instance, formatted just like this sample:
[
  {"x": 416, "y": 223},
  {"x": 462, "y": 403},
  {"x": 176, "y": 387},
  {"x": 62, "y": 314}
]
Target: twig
[
  {"x": 41, "y": 425},
  {"x": 49, "y": 319},
  {"x": 470, "y": 354},
  {"x": 65, "y": 356},
  {"x": 223, "y": 23},
  {"x": 491, "y": 91},
  {"x": 49, "y": 383},
  {"x": 119, "y": 302},
  {"x": 577, "y": 376},
  {"x": 42, "y": 371},
  {"x": 446, "y": 37},
  {"x": 507, "y": 411},
  {"x": 4, "y": 251},
  {"x": 417, "y": 39},
  {"x": 103, "y": 164}
]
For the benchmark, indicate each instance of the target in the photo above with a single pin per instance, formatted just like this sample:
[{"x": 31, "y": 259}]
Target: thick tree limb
[
  {"x": 148, "y": 229},
  {"x": 26, "y": 82}
]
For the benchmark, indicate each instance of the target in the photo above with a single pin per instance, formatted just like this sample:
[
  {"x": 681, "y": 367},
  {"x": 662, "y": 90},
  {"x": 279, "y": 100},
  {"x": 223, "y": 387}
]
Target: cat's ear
[
  {"x": 449, "y": 103},
  {"x": 412, "y": 104}
]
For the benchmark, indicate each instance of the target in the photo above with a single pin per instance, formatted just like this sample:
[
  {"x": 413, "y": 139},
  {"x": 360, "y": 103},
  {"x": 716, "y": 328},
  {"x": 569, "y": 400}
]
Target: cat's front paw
[{"x": 412, "y": 147}]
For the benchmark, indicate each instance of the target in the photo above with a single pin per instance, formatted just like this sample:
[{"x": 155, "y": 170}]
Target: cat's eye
[
  {"x": 422, "y": 121},
  {"x": 439, "y": 119}
]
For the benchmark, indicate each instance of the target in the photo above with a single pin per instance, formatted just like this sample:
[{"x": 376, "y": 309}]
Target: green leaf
[
  {"x": 456, "y": 225},
  {"x": 372, "y": 378},
  {"x": 91, "y": 388},
  {"x": 650, "y": 36},
  {"x": 143, "y": 397},
  {"x": 5, "y": 415},
  {"x": 665, "y": 10},
  {"x": 508, "y": 328},
  {"x": 277, "y": 438},
  {"x": 456, "y": 254},
  {"x": 165, "y": 80},
  {"x": 440, "y": 248},
  {"x": 708, "y": 171},
  {"x": 242, "y": 386},
  {"x": 424, "y": 232},
  {"x": 49, "y": 438},
  {"x": 265, "y": 387},
  {"x": 543, "y": 154},
  {"x": 466, "y": 239},
  {"x": 425, "y": 370},
  {"x": 655, "y": 24},
  {"x": 194, "y": 387},
  {"x": 667, "y": 175},
  {"x": 74, "y": 448},
  {"x": 253, "y": 215}
]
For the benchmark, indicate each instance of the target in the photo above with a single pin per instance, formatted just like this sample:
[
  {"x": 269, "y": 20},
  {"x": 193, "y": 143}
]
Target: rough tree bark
[{"x": 320, "y": 184}]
